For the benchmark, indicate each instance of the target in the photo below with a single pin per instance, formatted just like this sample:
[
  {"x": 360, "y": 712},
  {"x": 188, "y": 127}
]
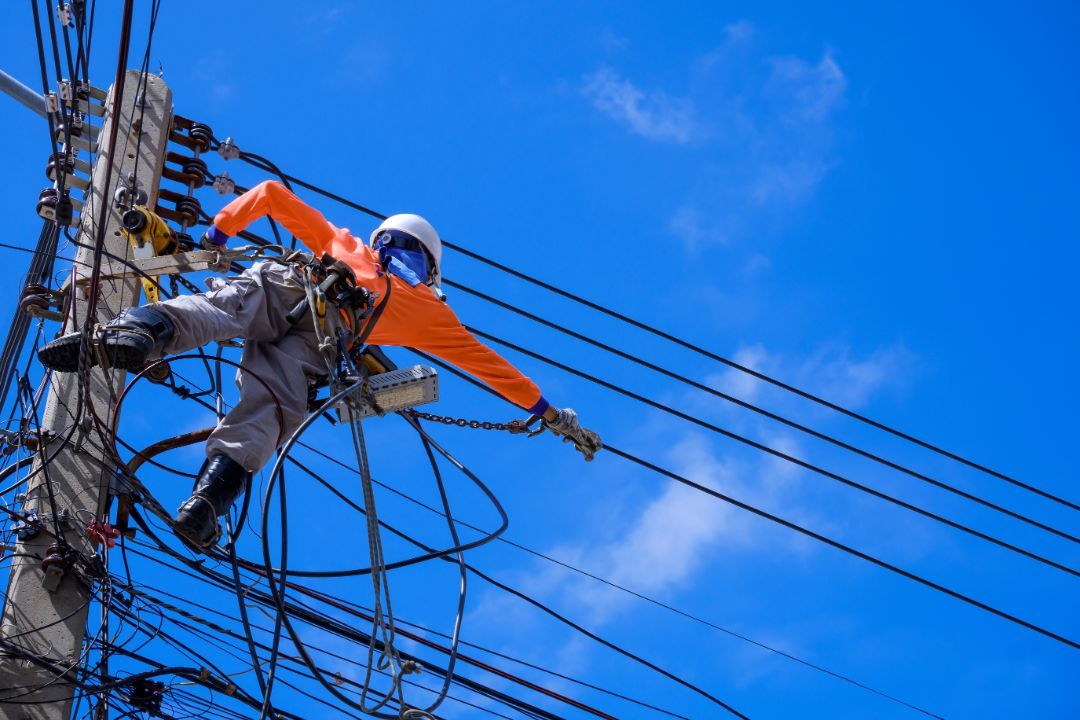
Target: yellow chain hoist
[{"x": 149, "y": 236}]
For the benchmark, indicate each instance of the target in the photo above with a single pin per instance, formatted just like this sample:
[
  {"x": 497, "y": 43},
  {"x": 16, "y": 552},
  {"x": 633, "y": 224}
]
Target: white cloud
[
  {"x": 612, "y": 42},
  {"x": 656, "y": 116},
  {"x": 786, "y": 182},
  {"x": 813, "y": 90},
  {"x": 767, "y": 136},
  {"x": 694, "y": 229},
  {"x": 739, "y": 31},
  {"x": 832, "y": 371},
  {"x": 681, "y": 535},
  {"x": 681, "y": 531},
  {"x": 665, "y": 544},
  {"x": 738, "y": 383}
]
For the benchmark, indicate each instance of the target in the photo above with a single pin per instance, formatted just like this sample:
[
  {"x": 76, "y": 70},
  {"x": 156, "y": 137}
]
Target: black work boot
[
  {"x": 128, "y": 340},
  {"x": 220, "y": 482}
]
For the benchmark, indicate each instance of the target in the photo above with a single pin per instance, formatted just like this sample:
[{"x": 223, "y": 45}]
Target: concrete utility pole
[{"x": 45, "y": 617}]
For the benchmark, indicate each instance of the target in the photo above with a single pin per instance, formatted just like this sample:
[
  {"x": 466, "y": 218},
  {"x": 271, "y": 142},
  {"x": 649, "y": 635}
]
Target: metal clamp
[
  {"x": 223, "y": 184},
  {"x": 228, "y": 150}
]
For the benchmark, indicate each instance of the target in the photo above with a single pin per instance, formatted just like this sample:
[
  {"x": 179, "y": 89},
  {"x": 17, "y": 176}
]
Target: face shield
[{"x": 404, "y": 254}]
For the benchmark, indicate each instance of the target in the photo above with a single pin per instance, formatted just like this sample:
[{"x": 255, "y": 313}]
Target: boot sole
[
  {"x": 188, "y": 524},
  {"x": 197, "y": 543},
  {"x": 62, "y": 354}
]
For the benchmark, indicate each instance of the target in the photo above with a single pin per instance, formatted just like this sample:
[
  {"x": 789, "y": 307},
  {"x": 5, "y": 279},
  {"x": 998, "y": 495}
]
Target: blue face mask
[{"x": 409, "y": 265}]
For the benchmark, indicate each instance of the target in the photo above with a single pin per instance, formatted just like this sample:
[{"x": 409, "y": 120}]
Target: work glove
[
  {"x": 213, "y": 239},
  {"x": 566, "y": 425}
]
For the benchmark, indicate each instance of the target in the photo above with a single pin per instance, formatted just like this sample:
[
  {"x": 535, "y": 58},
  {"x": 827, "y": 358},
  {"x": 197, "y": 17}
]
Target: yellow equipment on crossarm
[{"x": 149, "y": 236}]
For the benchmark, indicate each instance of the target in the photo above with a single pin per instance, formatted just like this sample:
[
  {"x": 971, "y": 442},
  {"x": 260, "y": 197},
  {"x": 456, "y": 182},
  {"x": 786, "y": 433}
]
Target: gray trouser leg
[
  {"x": 253, "y": 430},
  {"x": 253, "y": 306}
]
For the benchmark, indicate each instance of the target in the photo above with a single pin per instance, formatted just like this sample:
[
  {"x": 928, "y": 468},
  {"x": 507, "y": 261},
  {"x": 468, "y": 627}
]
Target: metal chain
[{"x": 515, "y": 427}]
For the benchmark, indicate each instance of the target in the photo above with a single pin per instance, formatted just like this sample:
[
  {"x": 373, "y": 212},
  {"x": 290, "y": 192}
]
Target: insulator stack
[
  {"x": 66, "y": 164},
  {"x": 184, "y": 242},
  {"x": 186, "y": 210},
  {"x": 190, "y": 171},
  {"x": 40, "y": 302},
  {"x": 56, "y": 206},
  {"x": 201, "y": 135},
  {"x": 195, "y": 136},
  {"x": 76, "y": 134}
]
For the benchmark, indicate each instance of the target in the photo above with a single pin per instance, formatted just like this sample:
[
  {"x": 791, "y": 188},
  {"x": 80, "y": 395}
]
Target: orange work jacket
[{"x": 413, "y": 316}]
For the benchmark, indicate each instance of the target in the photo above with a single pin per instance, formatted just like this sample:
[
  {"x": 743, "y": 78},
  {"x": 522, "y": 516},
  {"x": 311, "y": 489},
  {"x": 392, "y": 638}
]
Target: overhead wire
[
  {"x": 780, "y": 454},
  {"x": 639, "y": 360},
  {"x": 450, "y": 520},
  {"x": 334, "y": 490},
  {"x": 345, "y": 499},
  {"x": 286, "y": 453},
  {"x": 810, "y": 533},
  {"x": 631, "y": 592},
  {"x": 646, "y": 327},
  {"x": 327, "y": 623}
]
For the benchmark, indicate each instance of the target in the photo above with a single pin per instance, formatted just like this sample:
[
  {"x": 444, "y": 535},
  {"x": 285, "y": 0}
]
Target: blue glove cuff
[
  {"x": 540, "y": 407},
  {"x": 216, "y": 236}
]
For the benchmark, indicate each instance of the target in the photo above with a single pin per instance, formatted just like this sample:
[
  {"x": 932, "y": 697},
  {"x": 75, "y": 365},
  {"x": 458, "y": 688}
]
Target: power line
[
  {"x": 585, "y": 573},
  {"x": 317, "y": 620},
  {"x": 621, "y": 588},
  {"x": 809, "y": 533},
  {"x": 679, "y": 341},
  {"x": 782, "y": 455},
  {"x": 762, "y": 411},
  {"x": 536, "y": 553},
  {"x": 285, "y": 610}
]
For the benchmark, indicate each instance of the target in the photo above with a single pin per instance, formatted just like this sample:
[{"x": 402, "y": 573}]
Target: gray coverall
[{"x": 253, "y": 306}]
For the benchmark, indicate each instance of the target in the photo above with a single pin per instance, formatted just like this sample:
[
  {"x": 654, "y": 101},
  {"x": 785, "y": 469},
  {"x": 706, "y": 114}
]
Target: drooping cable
[
  {"x": 531, "y": 279},
  {"x": 638, "y": 360},
  {"x": 810, "y": 533},
  {"x": 780, "y": 454}
]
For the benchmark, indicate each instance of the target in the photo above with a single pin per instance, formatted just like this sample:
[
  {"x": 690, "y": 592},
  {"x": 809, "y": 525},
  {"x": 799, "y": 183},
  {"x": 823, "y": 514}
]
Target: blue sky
[{"x": 877, "y": 204}]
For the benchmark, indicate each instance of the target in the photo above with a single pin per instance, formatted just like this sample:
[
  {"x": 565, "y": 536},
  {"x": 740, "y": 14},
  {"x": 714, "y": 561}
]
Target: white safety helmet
[{"x": 425, "y": 234}]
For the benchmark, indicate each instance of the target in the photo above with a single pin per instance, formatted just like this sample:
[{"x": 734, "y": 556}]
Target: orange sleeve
[
  {"x": 274, "y": 199},
  {"x": 431, "y": 326}
]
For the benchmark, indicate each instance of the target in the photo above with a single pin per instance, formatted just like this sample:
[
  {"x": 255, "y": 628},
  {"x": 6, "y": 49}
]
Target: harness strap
[{"x": 375, "y": 314}]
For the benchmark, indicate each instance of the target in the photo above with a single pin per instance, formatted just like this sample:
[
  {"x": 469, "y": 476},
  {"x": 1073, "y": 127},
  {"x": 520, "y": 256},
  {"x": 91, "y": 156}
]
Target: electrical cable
[
  {"x": 810, "y": 533},
  {"x": 788, "y": 457},
  {"x": 249, "y": 157},
  {"x": 762, "y": 411},
  {"x": 346, "y": 631},
  {"x": 203, "y": 569},
  {"x": 294, "y": 461},
  {"x": 285, "y": 453}
]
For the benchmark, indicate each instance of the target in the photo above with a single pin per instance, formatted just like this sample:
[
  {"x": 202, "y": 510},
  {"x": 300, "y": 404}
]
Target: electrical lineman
[{"x": 282, "y": 357}]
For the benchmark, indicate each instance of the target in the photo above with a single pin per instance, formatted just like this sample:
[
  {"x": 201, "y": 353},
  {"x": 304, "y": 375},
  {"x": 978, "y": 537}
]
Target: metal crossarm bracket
[{"x": 185, "y": 262}]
